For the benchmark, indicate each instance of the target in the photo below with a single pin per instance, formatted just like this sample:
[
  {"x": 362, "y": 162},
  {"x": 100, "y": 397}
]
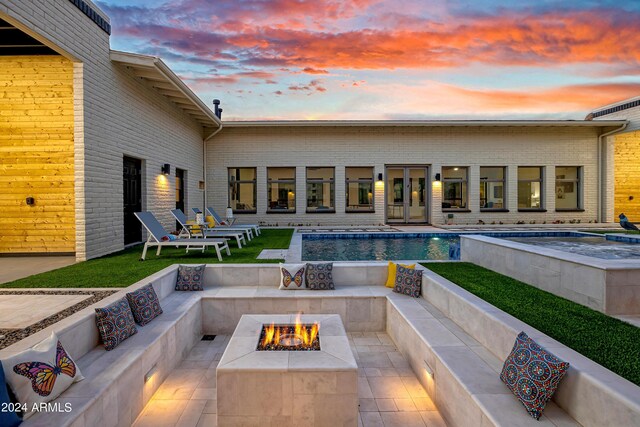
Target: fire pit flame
[{"x": 298, "y": 336}]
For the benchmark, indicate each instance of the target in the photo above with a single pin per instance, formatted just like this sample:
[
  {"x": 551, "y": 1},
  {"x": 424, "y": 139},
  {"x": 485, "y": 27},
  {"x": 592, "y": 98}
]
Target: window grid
[
  {"x": 363, "y": 184},
  {"x": 529, "y": 182},
  {"x": 235, "y": 187},
  {"x": 486, "y": 187}
]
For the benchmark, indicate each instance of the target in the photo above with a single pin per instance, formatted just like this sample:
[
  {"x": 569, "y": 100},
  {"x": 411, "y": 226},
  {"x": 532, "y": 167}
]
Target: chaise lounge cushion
[
  {"x": 190, "y": 278},
  {"x": 144, "y": 304},
  {"x": 292, "y": 276},
  {"x": 8, "y": 416},
  {"x": 408, "y": 281},
  {"x": 391, "y": 273},
  {"x": 532, "y": 374},
  {"x": 41, "y": 373},
  {"x": 115, "y": 323},
  {"x": 320, "y": 276}
]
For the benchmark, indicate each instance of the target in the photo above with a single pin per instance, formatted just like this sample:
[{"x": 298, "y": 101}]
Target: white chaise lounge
[
  {"x": 196, "y": 230},
  {"x": 157, "y": 233},
  {"x": 221, "y": 222}
]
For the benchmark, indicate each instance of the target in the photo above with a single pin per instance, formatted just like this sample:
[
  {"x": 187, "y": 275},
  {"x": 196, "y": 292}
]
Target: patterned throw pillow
[
  {"x": 190, "y": 278},
  {"x": 41, "y": 373},
  {"x": 292, "y": 276},
  {"x": 320, "y": 276},
  {"x": 115, "y": 323},
  {"x": 144, "y": 304},
  {"x": 408, "y": 281},
  {"x": 391, "y": 273},
  {"x": 532, "y": 374}
]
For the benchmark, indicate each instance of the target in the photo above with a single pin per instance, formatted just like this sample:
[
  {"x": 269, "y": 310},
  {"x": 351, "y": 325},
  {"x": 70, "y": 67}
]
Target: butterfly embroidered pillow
[
  {"x": 292, "y": 276},
  {"x": 41, "y": 373}
]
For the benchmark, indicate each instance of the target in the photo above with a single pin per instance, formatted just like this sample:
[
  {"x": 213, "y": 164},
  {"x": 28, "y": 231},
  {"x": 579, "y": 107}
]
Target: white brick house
[{"x": 130, "y": 112}]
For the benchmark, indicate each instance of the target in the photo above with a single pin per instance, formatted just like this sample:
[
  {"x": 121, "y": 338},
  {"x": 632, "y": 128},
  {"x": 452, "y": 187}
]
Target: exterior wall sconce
[
  {"x": 166, "y": 169},
  {"x": 427, "y": 369},
  {"x": 31, "y": 201},
  {"x": 380, "y": 177},
  {"x": 437, "y": 177}
]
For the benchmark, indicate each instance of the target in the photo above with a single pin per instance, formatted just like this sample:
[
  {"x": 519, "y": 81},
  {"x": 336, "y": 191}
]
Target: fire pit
[
  {"x": 288, "y": 370},
  {"x": 295, "y": 337}
]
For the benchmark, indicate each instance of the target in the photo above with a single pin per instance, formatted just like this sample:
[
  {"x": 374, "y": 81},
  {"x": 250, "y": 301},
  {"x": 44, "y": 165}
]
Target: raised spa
[{"x": 300, "y": 379}]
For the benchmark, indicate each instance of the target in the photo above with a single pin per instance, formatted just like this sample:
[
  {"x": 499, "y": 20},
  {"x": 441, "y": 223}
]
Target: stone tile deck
[
  {"x": 20, "y": 311},
  {"x": 389, "y": 392}
]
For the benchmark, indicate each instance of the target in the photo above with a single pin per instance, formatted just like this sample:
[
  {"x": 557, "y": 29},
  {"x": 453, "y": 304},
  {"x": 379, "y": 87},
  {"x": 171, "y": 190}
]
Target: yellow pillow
[
  {"x": 391, "y": 276},
  {"x": 195, "y": 227},
  {"x": 210, "y": 221}
]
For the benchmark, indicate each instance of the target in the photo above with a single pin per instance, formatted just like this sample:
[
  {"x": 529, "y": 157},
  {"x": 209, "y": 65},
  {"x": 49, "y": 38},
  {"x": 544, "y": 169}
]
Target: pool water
[
  {"x": 378, "y": 248},
  {"x": 597, "y": 247},
  {"x": 435, "y": 246}
]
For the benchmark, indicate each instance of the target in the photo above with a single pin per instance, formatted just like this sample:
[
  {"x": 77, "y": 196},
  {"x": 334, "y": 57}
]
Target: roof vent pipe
[{"x": 217, "y": 110}]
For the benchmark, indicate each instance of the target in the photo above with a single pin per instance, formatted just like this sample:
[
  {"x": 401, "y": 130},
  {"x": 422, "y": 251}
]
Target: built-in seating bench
[{"x": 462, "y": 339}]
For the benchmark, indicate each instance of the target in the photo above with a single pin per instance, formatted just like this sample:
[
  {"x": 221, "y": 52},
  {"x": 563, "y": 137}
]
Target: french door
[{"x": 406, "y": 194}]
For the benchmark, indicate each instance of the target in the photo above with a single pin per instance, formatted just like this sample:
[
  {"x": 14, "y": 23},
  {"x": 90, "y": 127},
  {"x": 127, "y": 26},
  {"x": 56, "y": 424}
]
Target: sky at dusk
[{"x": 402, "y": 59}]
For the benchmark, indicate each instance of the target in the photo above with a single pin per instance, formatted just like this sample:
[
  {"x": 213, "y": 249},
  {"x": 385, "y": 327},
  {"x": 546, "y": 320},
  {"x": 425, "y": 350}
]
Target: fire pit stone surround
[{"x": 287, "y": 388}]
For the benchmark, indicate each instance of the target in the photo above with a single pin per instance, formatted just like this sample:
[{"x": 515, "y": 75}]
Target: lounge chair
[
  {"x": 231, "y": 223},
  {"x": 245, "y": 229},
  {"x": 157, "y": 234},
  {"x": 196, "y": 230}
]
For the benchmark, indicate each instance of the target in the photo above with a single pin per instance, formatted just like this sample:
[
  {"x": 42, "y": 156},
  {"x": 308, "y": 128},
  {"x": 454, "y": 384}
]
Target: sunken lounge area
[{"x": 374, "y": 357}]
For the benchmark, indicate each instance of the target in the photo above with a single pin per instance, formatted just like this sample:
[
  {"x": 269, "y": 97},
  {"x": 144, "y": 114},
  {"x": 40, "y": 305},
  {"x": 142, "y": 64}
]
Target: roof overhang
[
  {"x": 168, "y": 84},
  {"x": 424, "y": 123}
]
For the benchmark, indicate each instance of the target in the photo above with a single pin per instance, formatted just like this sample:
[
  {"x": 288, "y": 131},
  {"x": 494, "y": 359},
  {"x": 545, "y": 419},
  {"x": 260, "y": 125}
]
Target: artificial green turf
[
  {"x": 125, "y": 268},
  {"x": 608, "y": 341}
]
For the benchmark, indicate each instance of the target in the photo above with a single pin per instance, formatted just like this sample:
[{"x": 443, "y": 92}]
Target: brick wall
[
  {"x": 115, "y": 114},
  {"x": 262, "y": 147}
]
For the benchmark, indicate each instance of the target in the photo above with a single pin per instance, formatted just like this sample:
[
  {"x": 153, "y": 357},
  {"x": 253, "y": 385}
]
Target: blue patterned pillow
[
  {"x": 408, "y": 281},
  {"x": 115, "y": 323},
  {"x": 190, "y": 278},
  {"x": 532, "y": 374},
  {"x": 144, "y": 304},
  {"x": 320, "y": 276}
]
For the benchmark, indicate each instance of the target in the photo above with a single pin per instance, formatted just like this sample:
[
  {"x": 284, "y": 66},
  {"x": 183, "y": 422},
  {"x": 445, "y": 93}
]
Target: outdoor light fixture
[
  {"x": 166, "y": 169},
  {"x": 150, "y": 374},
  {"x": 31, "y": 201},
  {"x": 428, "y": 369},
  {"x": 380, "y": 177},
  {"x": 437, "y": 177}
]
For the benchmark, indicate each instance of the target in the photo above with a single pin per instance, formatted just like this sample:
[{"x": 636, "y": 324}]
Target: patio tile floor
[{"x": 390, "y": 394}]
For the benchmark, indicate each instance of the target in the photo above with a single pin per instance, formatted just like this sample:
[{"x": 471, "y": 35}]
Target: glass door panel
[
  {"x": 417, "y": 195},
  {"x": 395, "y": 195},
  {"x": 406, "y": 194}
]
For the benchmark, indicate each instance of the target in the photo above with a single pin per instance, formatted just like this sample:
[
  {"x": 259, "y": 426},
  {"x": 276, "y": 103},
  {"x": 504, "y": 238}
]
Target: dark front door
[
  {"x": 132, "y": 181},
  {"x": 179, "y": 193}
]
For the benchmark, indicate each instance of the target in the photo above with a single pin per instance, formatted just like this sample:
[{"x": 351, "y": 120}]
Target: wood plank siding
[
  {"x": 627, "y": 175},
  {"x": 36, "y": 154}
]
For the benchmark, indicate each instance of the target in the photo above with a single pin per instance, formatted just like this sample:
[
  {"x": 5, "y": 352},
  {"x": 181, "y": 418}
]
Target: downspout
[
  {"x": 204, "y": 165},
  {"x": 601, "y": 213}
]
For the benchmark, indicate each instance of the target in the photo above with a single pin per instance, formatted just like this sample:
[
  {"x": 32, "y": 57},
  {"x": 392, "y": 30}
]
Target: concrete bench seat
[
  {"x": 465, "y": 384},
  {"x": 462, "y": 338}
]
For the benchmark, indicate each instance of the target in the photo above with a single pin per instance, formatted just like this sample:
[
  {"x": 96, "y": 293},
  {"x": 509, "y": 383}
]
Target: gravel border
[{"x": 11, "y": 336}]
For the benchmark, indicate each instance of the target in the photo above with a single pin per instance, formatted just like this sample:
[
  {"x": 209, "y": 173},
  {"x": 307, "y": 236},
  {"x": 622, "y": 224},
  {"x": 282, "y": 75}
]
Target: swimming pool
[
  {"x": 435, "y": 246},
  {"x": 593, "y": 246}
]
